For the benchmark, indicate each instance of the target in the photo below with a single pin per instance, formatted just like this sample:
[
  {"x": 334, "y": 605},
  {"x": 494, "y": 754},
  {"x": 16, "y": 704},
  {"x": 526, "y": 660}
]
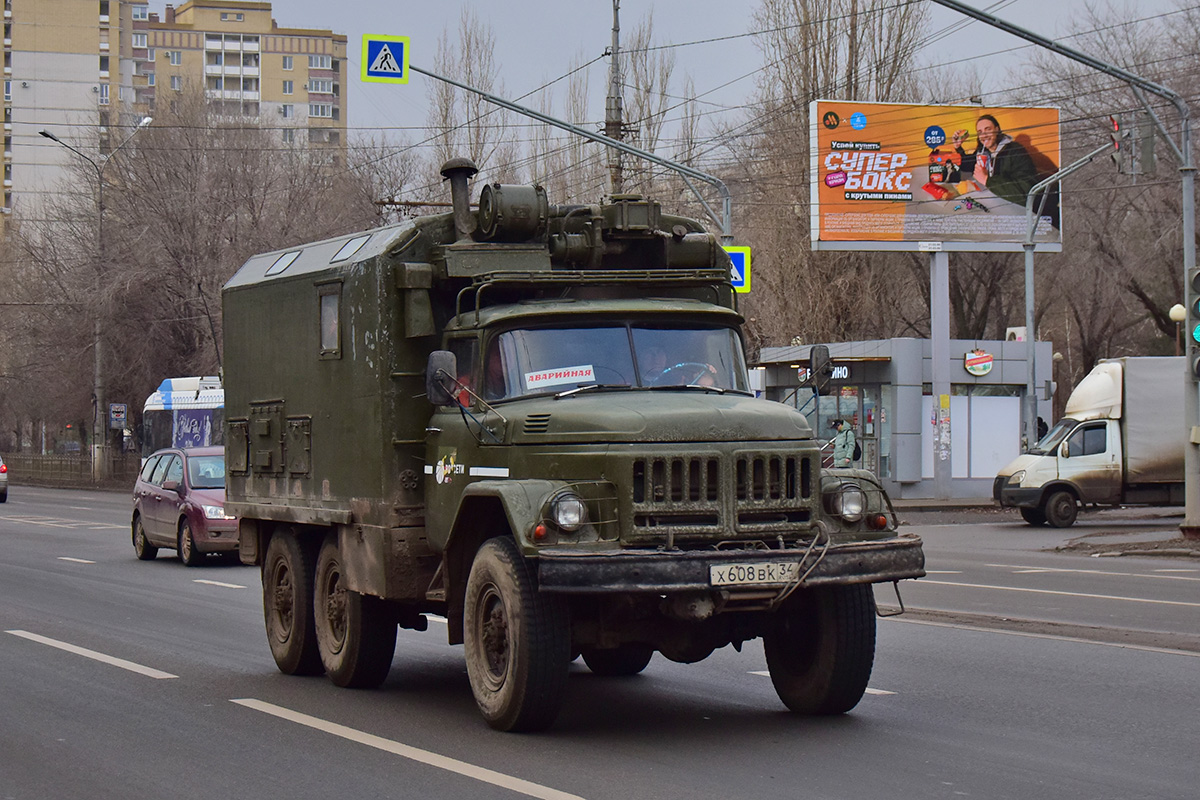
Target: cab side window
[{"x": 1089, "y": 441}]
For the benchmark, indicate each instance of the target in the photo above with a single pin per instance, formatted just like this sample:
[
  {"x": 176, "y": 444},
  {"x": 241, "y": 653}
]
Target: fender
[{"x": 489, "y": 508}]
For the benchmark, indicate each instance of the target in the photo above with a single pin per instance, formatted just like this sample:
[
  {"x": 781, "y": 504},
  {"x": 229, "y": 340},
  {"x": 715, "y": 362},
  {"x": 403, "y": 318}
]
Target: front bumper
[
  {"x": 663, "y": 572},
  {"x": 1015, "y": 496}
]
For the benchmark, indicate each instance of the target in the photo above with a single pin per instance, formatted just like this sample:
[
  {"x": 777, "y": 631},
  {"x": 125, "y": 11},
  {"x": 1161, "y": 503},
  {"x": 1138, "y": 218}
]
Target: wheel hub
[{"x": 494, "y": 632}]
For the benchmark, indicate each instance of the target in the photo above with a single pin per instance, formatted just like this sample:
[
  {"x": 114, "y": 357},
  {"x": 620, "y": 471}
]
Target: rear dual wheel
[
  {"x": 287, "y": 581},
  {"x": 356, "y": 636}
]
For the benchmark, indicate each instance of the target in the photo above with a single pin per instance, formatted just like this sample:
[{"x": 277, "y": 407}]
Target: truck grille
[{"x": 706, "y": 497}]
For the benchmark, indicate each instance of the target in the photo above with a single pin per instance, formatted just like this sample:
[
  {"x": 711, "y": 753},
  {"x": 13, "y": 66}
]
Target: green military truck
[{"x": 536, "y": 422}]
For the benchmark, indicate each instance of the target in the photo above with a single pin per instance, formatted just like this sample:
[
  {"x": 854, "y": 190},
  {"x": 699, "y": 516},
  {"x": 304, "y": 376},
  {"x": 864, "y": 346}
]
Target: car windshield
[
  {"x": 1054, "y": 437},
  {"x": 206, "y": 472},
  {"x": 553, "y": 360}
]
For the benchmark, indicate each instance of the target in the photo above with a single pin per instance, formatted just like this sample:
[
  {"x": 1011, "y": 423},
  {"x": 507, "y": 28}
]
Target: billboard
[{"x": 892, "y": 176}]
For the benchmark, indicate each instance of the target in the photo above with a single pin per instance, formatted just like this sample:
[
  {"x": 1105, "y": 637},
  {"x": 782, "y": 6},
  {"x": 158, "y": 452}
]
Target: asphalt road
[{"x": 128, "y": 679}]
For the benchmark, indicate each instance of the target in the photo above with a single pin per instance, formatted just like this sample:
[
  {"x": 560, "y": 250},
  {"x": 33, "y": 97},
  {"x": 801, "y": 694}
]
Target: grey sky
[{"x": 537, "y": 41}]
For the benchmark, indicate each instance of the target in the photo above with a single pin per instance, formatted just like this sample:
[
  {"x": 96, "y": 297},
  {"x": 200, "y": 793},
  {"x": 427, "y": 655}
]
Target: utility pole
[{"x": 612, "y": 106}]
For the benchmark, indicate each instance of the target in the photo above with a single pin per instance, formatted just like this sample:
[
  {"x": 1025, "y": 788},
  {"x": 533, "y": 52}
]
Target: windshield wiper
[
  {"x": 715, "y": 389},
  {"x": 591, "y": 387}
]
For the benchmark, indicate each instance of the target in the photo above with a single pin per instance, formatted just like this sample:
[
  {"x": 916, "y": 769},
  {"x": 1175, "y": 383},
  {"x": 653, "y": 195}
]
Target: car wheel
[
  {"x": 141, "y": 545},
  {"x": 355, "y": 633},
  {"x": 517, "y": 641},
  {"x": 1061, "y": 509},
  {"x": 4, "y": 496},
  {"x": 628, "y": 659},
  {"x": 287, "y": 581},
  {"x": 189, "y": 554},
  {"x": 821, "y": 648},
  {"x": 1034, "y": 516}
]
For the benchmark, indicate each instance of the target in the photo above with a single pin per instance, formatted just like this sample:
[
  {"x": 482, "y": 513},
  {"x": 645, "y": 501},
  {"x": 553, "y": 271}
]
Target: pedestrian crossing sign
[
  {"x": 384, "y": 58},
  {"x": 739, "y": 272}
]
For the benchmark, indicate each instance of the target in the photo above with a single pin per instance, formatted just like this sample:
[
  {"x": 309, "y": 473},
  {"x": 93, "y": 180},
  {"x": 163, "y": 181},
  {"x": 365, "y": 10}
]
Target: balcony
[
  {"x": 104, "y": 47},
  {"x": 214, "y": 69},
  {"x": 250, "y": 95},
  {"x": 250, "y": 47},
  {"x": 237, "y": 46},
  {"x": 250, "y": 72}
]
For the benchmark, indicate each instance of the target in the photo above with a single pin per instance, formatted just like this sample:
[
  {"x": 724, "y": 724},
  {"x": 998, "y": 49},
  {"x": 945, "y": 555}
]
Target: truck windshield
[
  {"x": 1054, "y": 437},
  {"x": 541, "y": 360}
]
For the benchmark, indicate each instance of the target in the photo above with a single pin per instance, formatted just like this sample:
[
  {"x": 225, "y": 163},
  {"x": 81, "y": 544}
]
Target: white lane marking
[
  {"x": 219, "y": 583},
  {"x": 767, "y": 674},
  {"x": 1061, "y": 594},
  {"x": 943, "y": 572},
  {"x": 1050, "y": 636},
  {"x": 56, "y": 522},
  {"x": 1020, "y": 569},
  {"x": 426, "y": 757},
  {"x": 75, "y": 560},
  {"x": 79, "y": 508},
  {"x": 92, "y": 654},
  {"x": 437, "y": 618}
]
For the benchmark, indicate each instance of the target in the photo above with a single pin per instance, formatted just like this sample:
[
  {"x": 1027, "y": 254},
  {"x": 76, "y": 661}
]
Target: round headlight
[
  {"x": 852, "y": 503},
  {"x": 1016, "y": 478},
  {"x": 568, "y": 512}
]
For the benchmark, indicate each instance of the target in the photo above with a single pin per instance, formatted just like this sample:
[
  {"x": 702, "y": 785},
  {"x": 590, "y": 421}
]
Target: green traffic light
[{"x": 1196, "y": 333}]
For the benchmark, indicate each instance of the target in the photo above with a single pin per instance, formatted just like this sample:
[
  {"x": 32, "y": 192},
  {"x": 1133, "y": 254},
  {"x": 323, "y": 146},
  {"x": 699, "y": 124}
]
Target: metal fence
[{"x": 71, "y": 470}]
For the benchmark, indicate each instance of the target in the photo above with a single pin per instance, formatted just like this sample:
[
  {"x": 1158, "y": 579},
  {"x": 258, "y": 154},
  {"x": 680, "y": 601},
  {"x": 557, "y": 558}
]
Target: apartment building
[{"x": 87, "y": 70}]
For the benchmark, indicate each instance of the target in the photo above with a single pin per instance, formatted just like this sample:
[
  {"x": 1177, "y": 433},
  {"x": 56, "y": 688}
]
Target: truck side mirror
[
  {"x": 440, "y": 374},
  {"x": 1065, "y": 450},
  {"x": 820, "y": 369}
]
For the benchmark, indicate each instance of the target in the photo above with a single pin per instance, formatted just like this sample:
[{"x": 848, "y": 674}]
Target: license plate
[{"x": 761, "y": 574}]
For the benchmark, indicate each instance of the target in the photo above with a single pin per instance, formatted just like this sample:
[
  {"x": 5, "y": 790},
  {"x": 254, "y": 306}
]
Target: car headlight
[
  {"x": 850, "y": 502},
  {"x": 568, "y": 512},
  {"x": 1016, "y": 478},
  {"x": 215, "y": 512}
]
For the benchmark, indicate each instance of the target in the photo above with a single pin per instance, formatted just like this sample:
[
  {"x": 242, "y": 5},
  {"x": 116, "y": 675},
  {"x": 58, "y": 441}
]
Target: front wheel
[
  {"x": 287, "y": 581},
  {"x": 1061, "y": 509},
  {"x": 517, "y": 641},
  {"x": 617, "y": 662},
  {"x": 821, "y": 648},
  {"x": 186, "y": 545},
  {"x": 355, "y": 634},
  {"x": 1034, "y": 516}
]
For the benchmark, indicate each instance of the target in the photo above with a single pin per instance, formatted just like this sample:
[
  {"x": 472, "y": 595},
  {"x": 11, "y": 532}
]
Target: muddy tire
[
  {"x": 1034, "y": 516},
  {"x": 186, "y": 545},
  {"x": 821, "y": 648},
  {"x": 287, "y": 580},
  {"x": 141, "y": 545},
  {"x": 628, "y": 659},
  {"x": 1061, "y": 509},
  {"x": 517, "y": 641},
  {"x": 356, "y": 635}
]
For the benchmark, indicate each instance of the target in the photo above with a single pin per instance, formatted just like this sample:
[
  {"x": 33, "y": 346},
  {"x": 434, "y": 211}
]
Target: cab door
[{"x": 1090, "y": 458}]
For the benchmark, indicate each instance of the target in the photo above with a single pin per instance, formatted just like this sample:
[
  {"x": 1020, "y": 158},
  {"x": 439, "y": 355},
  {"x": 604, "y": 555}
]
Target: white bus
[{"x": 184, "y": 412}]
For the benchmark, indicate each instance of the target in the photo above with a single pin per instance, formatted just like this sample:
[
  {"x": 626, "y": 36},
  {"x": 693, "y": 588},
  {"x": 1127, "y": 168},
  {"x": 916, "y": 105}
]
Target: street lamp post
[
  {"x": 99, "y": 412},
  {"x": 1177, "y": 314}
]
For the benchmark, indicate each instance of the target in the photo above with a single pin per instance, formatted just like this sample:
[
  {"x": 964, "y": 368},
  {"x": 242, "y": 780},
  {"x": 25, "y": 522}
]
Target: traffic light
[
  {"x": 1144, "y": 152},
  {"x": 1193, "y": 323},
  {"x": 1117, "y": 156}
]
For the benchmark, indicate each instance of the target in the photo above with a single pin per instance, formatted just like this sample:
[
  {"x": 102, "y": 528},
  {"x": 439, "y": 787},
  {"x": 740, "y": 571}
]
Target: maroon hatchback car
[{"x": 179, "y": 503}]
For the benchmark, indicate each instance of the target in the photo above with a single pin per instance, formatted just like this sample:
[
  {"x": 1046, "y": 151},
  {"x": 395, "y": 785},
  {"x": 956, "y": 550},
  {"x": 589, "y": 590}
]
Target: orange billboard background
[{"x": 890, "y": 172}]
